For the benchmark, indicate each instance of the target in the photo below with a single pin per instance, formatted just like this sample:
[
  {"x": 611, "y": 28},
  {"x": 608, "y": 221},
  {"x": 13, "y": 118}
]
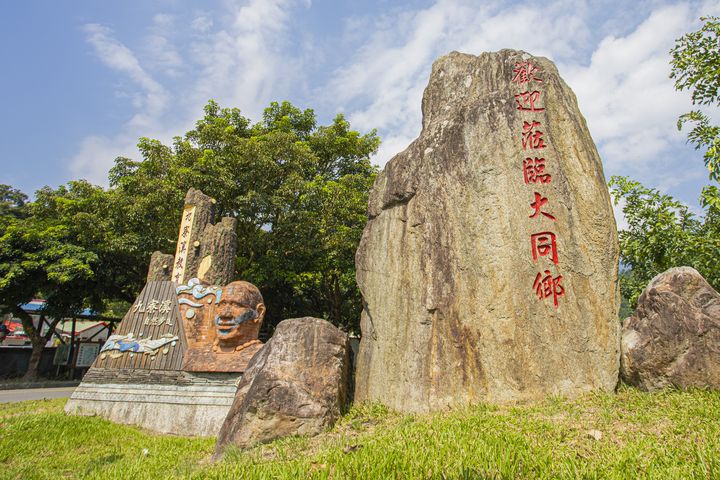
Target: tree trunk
[
  {"x": 37, "y": 340},
  {"x": 37, "y": 347},
  {"x": 32, "y": 370},
  {"x": 336, "y": 300}
]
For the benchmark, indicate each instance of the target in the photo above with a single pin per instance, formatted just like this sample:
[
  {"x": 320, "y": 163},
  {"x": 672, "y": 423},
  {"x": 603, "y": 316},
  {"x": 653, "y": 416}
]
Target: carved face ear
[{"x": 261, "y": 311}]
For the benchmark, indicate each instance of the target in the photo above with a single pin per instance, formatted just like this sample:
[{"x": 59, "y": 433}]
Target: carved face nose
[{"x": 225, "y": 311}]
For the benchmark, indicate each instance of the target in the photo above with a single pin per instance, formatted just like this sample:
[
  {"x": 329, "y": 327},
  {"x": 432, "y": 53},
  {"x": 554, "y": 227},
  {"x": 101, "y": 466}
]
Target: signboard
[
  {"x": 62, "y": 354},
  {"x": 86, "y": 354},
  {"x": 183, "y": 244},
  {"x": 149, "y": 337}
]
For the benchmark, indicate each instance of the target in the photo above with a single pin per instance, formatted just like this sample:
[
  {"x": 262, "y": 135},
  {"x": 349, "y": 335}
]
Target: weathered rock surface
[
  {"x": 296, "y": 385},
  {"x": 673, "y": 339},
  {"x": 217, "y": 251},
  {"x": 445, "y": 263},
  {"x": 160, "y": 268}
]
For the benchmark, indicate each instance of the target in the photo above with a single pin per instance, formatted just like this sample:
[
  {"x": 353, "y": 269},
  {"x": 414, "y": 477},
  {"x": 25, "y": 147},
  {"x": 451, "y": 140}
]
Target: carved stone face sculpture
[{"x": 238, "y": 316}]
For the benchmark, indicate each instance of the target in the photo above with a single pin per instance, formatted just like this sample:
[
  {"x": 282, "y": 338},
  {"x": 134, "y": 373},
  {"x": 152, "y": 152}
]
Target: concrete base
[{"x": 188, "y": 410}]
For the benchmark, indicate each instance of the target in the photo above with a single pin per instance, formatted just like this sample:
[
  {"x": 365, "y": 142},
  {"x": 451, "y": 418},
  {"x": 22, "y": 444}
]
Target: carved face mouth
[{"x": 225, "y": 327}]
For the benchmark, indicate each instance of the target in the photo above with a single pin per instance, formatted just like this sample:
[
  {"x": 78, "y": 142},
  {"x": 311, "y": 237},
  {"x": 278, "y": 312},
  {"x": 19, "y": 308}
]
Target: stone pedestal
[{"x": 178, "y": 403}]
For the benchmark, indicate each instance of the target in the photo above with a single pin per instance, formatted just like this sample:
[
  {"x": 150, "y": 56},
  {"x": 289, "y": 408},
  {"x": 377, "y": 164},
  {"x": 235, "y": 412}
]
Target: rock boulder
[
  {"x": 673, "y": 338},
  {"x": 296, "y": 385},
  {"x": 489, "y": 263}
]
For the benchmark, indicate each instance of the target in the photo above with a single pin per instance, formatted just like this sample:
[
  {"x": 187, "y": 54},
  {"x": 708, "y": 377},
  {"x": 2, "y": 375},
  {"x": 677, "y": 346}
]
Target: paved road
[{"x": 21, "y": 395}]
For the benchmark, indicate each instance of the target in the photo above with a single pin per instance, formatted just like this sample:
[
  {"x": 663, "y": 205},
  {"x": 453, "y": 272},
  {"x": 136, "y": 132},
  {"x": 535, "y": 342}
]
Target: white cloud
[
  {"x": 163, "y": 54},
  {"x": 630, "y": 103},
  {"x": 159, "y": 53},
  {"x": 240, "y": 60},
  {"x": 164, "y": 20},
  {"x": 118, "y": 57},
  {"x": 246, "y": 62},
  {"x": 97, "y": 153},
  {"x": 620, "y": 77},
  {"x": 251, "y": 53},
  {"x": 202, "y": 24},
  {"x": 388, "y": 75}
]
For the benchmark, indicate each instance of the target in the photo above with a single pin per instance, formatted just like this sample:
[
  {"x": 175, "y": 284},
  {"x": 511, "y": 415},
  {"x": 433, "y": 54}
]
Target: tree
[
  {"x": 696, "y": 67},
  {"x": 12, "y": 202},
  {"x": 663, "y": 233},
  {"x": 35, "y": 256},
  {"x": 298, "y": 190},
  {"x": 299, "y": 193},
  {"x": 68, "y": 247}
]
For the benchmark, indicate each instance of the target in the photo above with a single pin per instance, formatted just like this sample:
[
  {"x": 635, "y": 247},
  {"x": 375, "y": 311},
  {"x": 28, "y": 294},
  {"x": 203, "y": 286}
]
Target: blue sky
[{"x": 83, "y": 80}]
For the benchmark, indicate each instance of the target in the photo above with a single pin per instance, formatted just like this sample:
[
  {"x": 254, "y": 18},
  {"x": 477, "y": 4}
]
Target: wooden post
[{"x": 71, "y": 360}]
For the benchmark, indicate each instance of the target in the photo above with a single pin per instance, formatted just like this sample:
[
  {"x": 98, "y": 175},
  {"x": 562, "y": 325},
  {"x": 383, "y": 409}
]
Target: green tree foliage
[
  {"x": 696, "y": 67},
  {"x": 663, "y": 233},
  {"x": 73, "y": 246},
  {"x": 298, "y": 190},
  {"x": 38, "y": 257},
  {"x": 12, "y": 203}
]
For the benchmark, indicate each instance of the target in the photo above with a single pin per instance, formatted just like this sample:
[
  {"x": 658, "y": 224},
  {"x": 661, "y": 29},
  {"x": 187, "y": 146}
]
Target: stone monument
[
  {"x": 489, "y": 263},
  {"x": 174, "y": 360}
]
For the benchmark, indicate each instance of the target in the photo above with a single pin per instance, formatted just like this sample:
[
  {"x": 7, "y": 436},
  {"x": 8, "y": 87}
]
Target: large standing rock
[
  {"x": 445, "y": 263},
  {"x": 217, "y": 250},
  {"x": 673, "y": 339},
  {"x": 296, "y": 385},
  {"x": 160, "y": 268}
]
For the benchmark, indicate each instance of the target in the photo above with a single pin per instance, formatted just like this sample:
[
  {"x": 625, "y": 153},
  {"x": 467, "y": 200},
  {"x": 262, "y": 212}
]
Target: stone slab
[{"x": 196, "y": 407}]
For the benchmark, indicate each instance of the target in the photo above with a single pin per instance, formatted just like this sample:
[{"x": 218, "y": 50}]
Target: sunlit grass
[{"x": 666, "y": 435}]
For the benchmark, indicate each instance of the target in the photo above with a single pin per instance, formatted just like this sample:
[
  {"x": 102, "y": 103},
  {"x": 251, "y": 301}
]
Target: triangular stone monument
[{"x": 172, "y": 364}]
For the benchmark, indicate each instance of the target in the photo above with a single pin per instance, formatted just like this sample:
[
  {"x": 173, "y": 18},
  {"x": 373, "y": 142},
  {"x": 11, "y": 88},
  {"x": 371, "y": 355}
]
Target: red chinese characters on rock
[
  {"x": 532, "y": 136},
  {"x": 537, "y": 206},
  {"x": 534, "y": 171},
  {"x": 548, "y": 286},
  {"x": 525, "y": 73},
  {"x": 526, "y": 101},
  {"x": 543, "y": 244}
]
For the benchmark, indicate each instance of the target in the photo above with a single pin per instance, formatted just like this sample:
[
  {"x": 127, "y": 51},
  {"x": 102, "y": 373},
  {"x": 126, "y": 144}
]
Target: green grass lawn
[{"x": 666, "y": 435}]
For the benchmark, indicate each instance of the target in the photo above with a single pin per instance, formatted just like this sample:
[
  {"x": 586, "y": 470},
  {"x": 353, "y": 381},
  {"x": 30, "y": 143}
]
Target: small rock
[
  {"x": 351, "y": 448},
  {"x": 296, "y": 385},
  {"x": 595, "y": 434},
  {"x": 672, "y": 338}
]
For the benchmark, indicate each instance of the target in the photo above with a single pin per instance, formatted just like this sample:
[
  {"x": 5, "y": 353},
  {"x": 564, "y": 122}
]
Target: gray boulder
[
  {"x": 297, "y": 384},
  {"x": 489, "y": 263},
  {"x": 673, "y": 339}
]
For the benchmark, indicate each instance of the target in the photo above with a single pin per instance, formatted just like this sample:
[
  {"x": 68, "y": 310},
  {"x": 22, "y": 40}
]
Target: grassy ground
[{"x": 667, "y": 435}]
